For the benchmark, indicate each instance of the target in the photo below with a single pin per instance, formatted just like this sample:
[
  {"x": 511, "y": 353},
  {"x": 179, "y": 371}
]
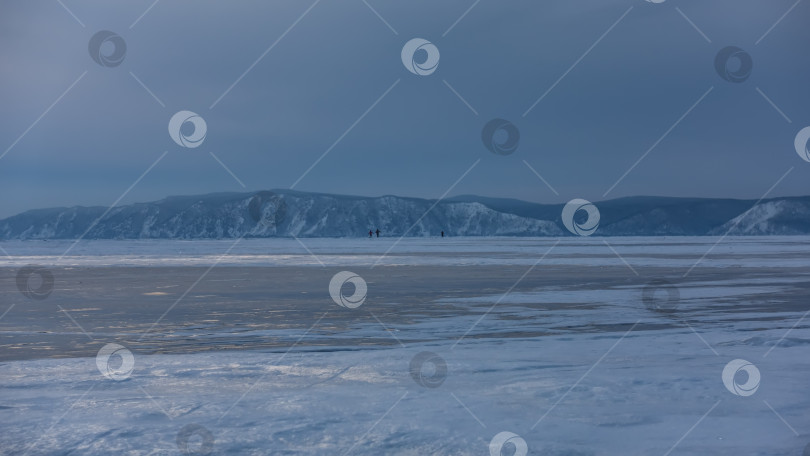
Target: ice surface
[
  {"x": 640, "y": 382},
  {"x": 640, "y": 399},
  {"x": 788, "y": 251}
]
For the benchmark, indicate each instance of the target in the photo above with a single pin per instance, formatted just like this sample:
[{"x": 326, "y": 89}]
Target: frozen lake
[{"x": 579, "y": 346}]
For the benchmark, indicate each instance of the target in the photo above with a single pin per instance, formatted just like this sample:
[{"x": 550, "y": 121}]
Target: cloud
[{"x": 322, "y": 75}]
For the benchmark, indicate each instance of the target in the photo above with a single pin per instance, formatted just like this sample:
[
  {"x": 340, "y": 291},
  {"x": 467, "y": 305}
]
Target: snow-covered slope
[
  {"x": 267, "y": 214},
  {"x": 771, "y": 217},
  {"x": 287, "y": 213}
]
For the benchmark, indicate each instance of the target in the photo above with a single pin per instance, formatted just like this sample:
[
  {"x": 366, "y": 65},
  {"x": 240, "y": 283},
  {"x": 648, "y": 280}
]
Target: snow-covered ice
[
  {"x": 787, "y": 251},
  {"x": 572, "y": 370}
]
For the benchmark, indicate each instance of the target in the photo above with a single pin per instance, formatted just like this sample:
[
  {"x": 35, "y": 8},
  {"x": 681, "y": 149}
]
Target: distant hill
[{"x": 284, "y": 213}]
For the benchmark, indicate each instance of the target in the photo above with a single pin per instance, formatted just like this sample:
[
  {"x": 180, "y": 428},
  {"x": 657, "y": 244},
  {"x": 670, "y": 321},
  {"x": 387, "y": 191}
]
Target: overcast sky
[{"x": 615, "y": 76}]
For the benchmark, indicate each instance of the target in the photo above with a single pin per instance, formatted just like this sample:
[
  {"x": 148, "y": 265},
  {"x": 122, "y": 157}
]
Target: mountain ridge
[{"x": 285, "y": 213}]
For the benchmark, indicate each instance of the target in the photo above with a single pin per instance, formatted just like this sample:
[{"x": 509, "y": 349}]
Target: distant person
[
  {"x": 442, "y": 233},
  {"x": 378, "y": 232},
  {"x": 370, "y": 233}
]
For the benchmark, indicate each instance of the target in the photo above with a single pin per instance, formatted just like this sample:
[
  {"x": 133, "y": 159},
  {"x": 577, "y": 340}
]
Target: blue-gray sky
[{"x": 340, "y": 57}]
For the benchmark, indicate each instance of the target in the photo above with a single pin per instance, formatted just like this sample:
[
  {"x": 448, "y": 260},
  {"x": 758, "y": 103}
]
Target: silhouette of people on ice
[
  {"x": 442, "y": 233},
  {"x": 370, "y": 234},
  {"x": 378, "y": 232}
]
